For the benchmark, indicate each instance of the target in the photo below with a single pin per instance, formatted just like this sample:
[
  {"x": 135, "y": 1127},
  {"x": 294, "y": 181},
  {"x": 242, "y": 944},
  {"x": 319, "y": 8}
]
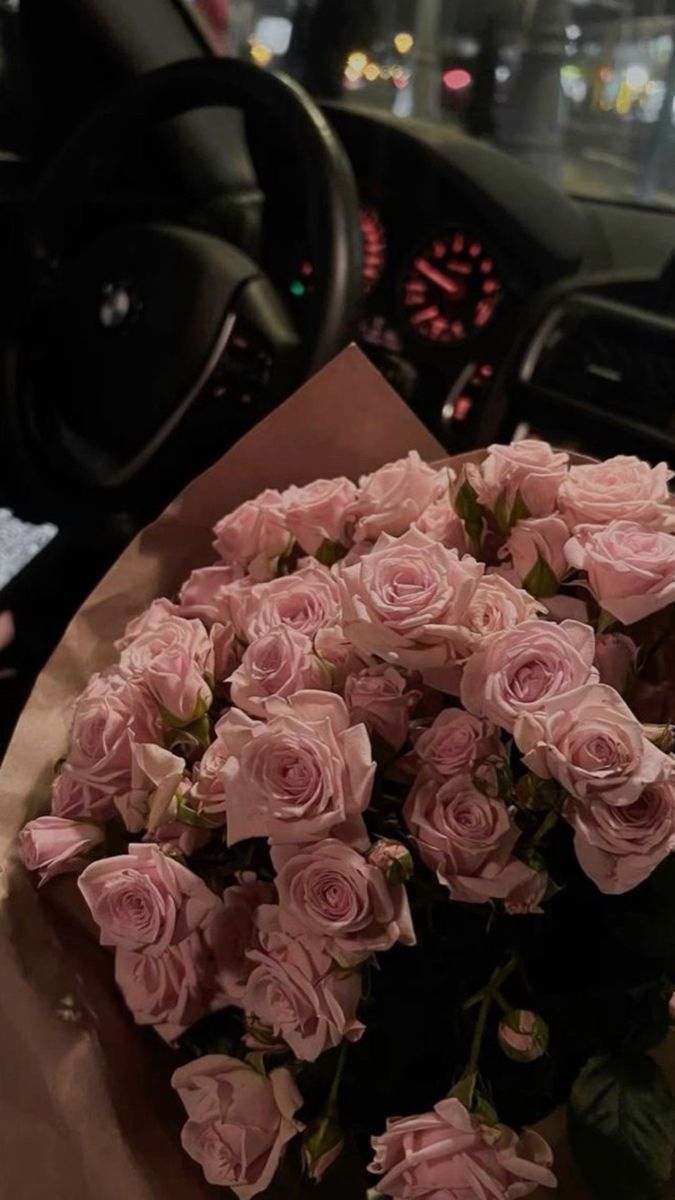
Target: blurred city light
[
  {"x": 357, "y": 61},
  {"x": 274, "y": 33},
  {"x": 457, "y": 78},
  {"x": 404, "y": 42},
  {"x": 261, "y": 55},
  {"x": 371, "y": 72},
  {"x": 637, "y": 77}
]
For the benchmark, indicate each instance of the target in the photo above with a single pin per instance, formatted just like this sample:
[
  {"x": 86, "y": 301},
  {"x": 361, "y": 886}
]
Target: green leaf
[
  {"x": 520, "y": 511},
  {"x": 472, "y": 514},
  {"x": 605, "y": 621},
  {"x": 188, "y": 816},
  {"x": 621, "y": 1122},
  {"x": 541, "y": 581},
  {"x": 330, "y": 552}
]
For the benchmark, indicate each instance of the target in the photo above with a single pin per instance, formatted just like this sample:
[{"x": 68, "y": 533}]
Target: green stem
[
  {"x": 331, "y": 1102},
  {"x": 499, "y": 976},
  {"x": 546, "y": 826}
]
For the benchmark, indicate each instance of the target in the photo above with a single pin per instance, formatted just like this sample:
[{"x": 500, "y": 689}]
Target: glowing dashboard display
[
  {"x": 374, "y": 247},
  {"x": 451, "y": 288}
]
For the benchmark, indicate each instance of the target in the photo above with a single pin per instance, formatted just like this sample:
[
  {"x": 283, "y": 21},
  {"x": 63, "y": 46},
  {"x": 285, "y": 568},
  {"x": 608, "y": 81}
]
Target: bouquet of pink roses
[{"x": 372, "y": 826}]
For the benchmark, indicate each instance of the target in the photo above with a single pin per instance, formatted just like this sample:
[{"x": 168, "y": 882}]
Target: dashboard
[{"x": 447, "y": 268}]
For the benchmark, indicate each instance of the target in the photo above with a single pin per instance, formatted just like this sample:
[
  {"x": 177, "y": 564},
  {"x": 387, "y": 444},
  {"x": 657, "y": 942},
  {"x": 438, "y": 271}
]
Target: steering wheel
[{"x": 148, "y": 323}]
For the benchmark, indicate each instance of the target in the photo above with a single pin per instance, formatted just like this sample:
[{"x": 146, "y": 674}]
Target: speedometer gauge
[{"x": 452, "y": 287}]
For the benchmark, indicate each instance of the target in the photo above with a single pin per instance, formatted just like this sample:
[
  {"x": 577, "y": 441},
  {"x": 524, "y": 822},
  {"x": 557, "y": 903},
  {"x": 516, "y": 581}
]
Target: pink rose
[
  {"x": 239, "y": 1120},
  {"x": 55, "y": 845},
  {"x": 145, "y": 901},
  {"x": 277, "y": 665},
  {"x": 631, "y": 570},
  {"x": 170, "y": 991},
  {"x": 538, "y": 539},
  {"x": 334, "y": 892},
  {"x": 465, "y": 837},
  {"x": 174, "y": 661},
  {"x": 440, "y": 522},
  {"x": 618, "y": 847},
  {"x": 306, "y": 602},
  {"x": 379, "y": 697},
  {"x": 615, "y": 658},
  {"x": 209, "y": 593},
  {"x": 590, "y": 742},
  {"x": 232, "y": 932},
  {"x": 392, "y": 498},
  {"x": 528, "y": 467},
  {"x": 620, "y": 489},
  {"x": 450, "y": 1154},
  {"x": 520, "y": 669},
  {"x": 255, "y": 535},
  {"x": 407, "y": 599},
  {"x": 456, "y": 741},
  {"x": 296, "y": 990},
  {"x": 497, "y": 605},
  {"x": 303, "y": 776},
  {"x": 150, "y": 619},
  {"x": 316, "y": 513},
  {"x": 111, "y": 716}
]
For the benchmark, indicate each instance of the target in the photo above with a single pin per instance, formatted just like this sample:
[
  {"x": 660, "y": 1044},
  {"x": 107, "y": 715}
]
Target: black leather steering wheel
[{"x": 141, "y": 325}]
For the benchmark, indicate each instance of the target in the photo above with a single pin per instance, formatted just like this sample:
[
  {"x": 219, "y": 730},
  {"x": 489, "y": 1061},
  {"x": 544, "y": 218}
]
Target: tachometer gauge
[
  {"x": 374, "y": 238},
  {"x": 451, "y": 288},
  {"x": 374, "y": 247}
]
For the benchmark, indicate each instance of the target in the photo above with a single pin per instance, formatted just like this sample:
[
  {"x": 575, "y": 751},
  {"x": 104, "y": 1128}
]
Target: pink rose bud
[
  {"x": 321, "y": 1145},
  {"x": 523, "y": 1035},
  {"x": 394, "y": 859},
  {"x": 56, "y": 845}
]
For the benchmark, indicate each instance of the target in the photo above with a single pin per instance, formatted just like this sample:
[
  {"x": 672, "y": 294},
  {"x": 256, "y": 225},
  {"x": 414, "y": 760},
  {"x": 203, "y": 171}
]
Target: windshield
[{"x": 584, "y": 91}]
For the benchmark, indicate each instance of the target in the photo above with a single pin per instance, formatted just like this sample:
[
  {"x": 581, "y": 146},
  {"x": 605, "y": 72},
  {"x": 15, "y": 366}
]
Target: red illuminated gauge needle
[{"x": 443, "y": 281}]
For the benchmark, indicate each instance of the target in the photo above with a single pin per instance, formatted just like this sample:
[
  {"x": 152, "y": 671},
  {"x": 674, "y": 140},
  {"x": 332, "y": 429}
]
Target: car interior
[{"x": 187, "y": 236}]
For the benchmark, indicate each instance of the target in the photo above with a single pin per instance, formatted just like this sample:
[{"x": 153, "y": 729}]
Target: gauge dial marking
[{"x": 452, "y": 287}]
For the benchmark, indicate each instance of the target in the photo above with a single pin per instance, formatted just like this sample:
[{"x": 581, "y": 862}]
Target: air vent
[{"x": 613, "y": 358}]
